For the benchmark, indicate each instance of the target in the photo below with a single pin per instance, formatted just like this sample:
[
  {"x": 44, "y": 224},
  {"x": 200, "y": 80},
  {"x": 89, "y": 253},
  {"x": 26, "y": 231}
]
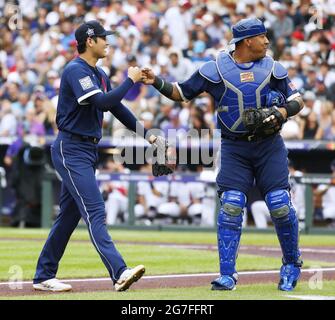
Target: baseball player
[
  {"x": 253, "y": 98},
  {"x": 85, "y": 94}
]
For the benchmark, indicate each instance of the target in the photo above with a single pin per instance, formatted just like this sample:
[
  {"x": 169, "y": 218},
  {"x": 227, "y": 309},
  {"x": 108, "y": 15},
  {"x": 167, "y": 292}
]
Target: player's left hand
[
  {"x": 263, "y": 122},
  {"x": 165, "y": 157}
]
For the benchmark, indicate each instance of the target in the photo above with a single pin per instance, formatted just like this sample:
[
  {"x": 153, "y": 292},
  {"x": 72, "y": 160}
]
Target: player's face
[
  {"x": 258, "y": 46},
  {"x": 100, "y": 47}
]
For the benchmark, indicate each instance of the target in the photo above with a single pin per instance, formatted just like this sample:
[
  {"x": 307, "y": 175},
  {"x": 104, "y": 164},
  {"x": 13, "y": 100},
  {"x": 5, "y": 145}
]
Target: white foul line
[
  {"x": 169, "y": 276},
  {"x": 312, "y": 297}
]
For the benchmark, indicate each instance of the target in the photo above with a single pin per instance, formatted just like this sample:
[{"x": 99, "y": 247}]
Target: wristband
[
  {"x": 292, "y": 108},
  {"x": 166, "y": 88}
]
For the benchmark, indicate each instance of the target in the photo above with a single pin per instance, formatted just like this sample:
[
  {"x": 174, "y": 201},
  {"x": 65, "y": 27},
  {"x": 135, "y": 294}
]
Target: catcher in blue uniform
[{"x": 253, "y": 98}]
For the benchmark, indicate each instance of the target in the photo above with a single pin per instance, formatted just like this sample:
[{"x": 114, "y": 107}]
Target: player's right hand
[
  {"x": 135, "y": 74},
  {"x": 148, "y": 76}
]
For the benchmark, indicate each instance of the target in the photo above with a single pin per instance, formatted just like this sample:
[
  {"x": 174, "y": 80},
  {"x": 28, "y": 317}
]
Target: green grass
[
  {"x": 243, "y": 292},
  {"x": 81, "y": 260},
  {"x": 172, "y": 237}
]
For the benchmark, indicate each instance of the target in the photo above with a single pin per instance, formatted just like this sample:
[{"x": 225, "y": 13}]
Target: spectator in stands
[
  {"x": 8, "y": 122},
  {"x": 149, "y": 196},
  {"x": 142, "y": 14},
  {"x": 324, "y": 50},
  {"x": 147, "y": 118},
  {"x": 309, "y": 98},
  {"x": 138, "y": 91},
  {"x": 199, "y": 123},
  {"x": 127, "y": 29},
  {"x": 178, "y": 20},
  {"x": 329, "y": 132},
  {"x": 295, "y": 77},
  {"x": 328, "y": 199},
  {"x": 183, "y": 206},
  {"x": 19, "y": 107},
  {"x": 310, "y": 128},
  {"x": 146, "y": 42},
  {"x": 291, "y": 129},
  {"x": 152, "y": 27},
  {"x": 283, "y": 25},
  {"x": 115, "y": 193},
  {"x": 325, "y": 114},
  {"x": 174, "y": 129},
  {"x": 26, "y": 180},
  {"x": 49, "y": 87},
  {"x": 32, "y": 125},
  {"x": 217, "y": 29},
  {"x": 165, "y": 44},
  {"x": 162, "y": 118},
  {"x": 199, "y": 56},
  {"x": 180, "y": 68},
  {"x": 311, "y": 80}
]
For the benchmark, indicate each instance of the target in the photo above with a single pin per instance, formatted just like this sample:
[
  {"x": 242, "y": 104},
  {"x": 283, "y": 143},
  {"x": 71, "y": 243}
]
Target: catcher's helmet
[{"x": 247, "y": 28}]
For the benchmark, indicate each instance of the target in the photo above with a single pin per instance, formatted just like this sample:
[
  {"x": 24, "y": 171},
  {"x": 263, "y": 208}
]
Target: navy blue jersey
[{"x": 74, "y": 113}]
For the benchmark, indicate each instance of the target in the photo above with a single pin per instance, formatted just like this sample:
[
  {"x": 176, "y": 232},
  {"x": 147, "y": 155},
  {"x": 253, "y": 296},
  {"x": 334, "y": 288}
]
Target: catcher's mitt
[
  {"x": 165, "y": 157},
  {"x": 262, "y": 122}
]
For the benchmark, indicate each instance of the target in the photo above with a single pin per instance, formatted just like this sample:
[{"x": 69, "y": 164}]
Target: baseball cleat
[
  {"x": 224, "y": 283},
  {"x": 128, "y": 277},
  {"x": 53, "y": 285},
  {"x": 289, "y": 276}
]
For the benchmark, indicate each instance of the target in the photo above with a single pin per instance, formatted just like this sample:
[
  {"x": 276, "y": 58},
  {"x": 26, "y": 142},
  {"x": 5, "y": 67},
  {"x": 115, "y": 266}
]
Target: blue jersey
[
  {"x": 225, "y": 87},
  {"x": 74, "y": 112}
]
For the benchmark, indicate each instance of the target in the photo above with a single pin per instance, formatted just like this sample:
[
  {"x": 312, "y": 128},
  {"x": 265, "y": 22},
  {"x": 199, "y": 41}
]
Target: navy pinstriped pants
[{"x": 80, "y": 198}]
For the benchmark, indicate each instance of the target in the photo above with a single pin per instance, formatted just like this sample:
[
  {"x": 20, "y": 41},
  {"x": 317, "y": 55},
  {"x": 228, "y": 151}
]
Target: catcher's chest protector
[{"x": 245, "y": 87}]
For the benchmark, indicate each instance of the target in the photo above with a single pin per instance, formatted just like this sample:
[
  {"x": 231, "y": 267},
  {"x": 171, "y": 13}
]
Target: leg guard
[
  {"x": 229, "y": 229},
  {"x": 284, "y": 217}
]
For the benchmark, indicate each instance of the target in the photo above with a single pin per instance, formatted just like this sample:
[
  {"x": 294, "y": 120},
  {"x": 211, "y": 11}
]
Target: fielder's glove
[
  {"x": 165, "y": 162},
  {"x": 262, "y": 122}
]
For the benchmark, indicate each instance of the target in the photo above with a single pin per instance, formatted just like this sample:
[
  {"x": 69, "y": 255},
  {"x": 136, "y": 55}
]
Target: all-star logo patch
[
  {"x": 90, "y": 32},
  {"x": 86, "y": 83},
  {"x": 247, "y": 77}
]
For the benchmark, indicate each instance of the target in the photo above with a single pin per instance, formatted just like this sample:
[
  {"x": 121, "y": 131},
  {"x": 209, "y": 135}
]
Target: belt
[
  {"x": 78, "y": 137},
  {"x": 248, "y": 138}
]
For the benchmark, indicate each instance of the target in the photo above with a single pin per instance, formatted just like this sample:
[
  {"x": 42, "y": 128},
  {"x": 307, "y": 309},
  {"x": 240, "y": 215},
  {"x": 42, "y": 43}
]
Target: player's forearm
[
  {"x": 167, "y": 89},
  {"x": 104, "y": 101},
  {"x": 293, "y": 107}
]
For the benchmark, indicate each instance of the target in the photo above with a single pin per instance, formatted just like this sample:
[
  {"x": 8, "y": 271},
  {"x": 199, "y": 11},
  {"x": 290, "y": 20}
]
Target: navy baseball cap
[
  {"x": 91, "y": 29},
  {"x": 247, "y": 28}
]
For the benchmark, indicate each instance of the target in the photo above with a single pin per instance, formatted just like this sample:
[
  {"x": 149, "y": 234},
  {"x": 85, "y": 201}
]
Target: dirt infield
[
  {"x": 189, "y": 280},
  {"x": 166, "y": 281}
]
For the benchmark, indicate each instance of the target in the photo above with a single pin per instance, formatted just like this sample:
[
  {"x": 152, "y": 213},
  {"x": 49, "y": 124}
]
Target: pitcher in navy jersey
[
  {"x": 240, "y": 79},
  {"x": 85, "y": 93}
]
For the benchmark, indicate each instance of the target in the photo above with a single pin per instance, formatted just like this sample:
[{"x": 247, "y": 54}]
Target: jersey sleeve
[
  {"x": 83, "y": 84},
  {"x": 192, "y": 87},
  {"x": 287, "y": 87}
]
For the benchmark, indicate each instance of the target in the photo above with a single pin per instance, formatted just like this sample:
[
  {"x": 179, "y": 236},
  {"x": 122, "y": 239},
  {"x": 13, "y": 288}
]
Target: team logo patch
[
  {"x": 86, "y": 83},
  {"x": 247, "y": 77}
]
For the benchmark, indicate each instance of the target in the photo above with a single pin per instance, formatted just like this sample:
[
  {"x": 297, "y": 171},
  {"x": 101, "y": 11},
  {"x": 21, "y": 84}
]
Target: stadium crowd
[{"x": 172, "y": 37}]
